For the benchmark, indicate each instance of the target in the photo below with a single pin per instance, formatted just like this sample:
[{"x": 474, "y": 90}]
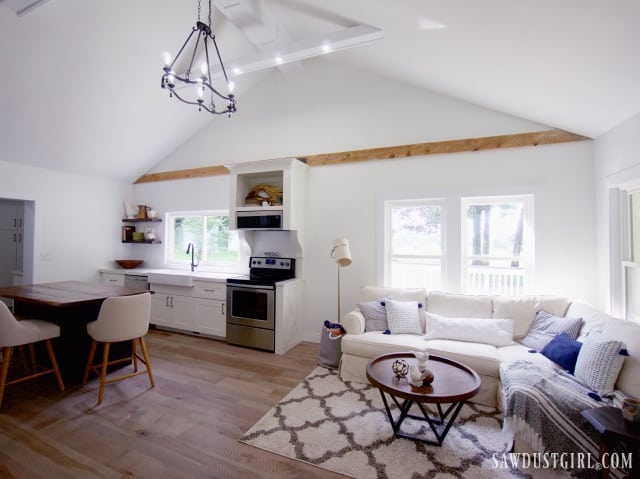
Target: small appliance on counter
[{"x": 251, "y": 300}]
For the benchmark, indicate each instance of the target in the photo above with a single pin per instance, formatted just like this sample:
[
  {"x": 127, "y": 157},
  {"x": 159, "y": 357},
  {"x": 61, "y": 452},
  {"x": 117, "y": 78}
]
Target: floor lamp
[{"x": 342, "y": 256}]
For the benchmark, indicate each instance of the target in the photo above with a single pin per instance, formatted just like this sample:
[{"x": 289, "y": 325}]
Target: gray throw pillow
[
  {"x": 547, "y": 326},
  {"x": 375, "y": 315},
  {"x": 599, "y": 363}
]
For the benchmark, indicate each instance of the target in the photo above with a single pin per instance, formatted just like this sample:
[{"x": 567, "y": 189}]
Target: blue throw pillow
[{"x": 563, "y": 350}]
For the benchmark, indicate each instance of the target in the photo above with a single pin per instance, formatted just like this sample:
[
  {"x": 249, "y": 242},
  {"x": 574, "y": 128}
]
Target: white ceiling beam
[
  {"x": 22, "y": 7},
  {"x": 350, "y": 37}
]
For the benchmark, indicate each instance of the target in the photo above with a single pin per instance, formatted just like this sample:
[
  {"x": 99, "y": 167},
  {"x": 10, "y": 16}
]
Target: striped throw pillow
[{"x": 599, "y": 363}]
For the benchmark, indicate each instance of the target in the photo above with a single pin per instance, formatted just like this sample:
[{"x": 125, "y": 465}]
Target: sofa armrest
[{"x": 353, "y": 322}]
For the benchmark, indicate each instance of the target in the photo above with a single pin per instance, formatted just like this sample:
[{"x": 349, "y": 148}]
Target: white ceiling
[{"x": 81, "y": 79}]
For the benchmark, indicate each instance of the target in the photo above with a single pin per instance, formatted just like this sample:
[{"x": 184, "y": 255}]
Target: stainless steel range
[{"x": 251, "y": 302}]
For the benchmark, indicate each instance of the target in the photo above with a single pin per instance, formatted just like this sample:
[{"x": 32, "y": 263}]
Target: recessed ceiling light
[{"x": 425, "y": 23}]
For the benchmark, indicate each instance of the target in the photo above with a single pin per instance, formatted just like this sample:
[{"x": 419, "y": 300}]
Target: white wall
[
  {"x": 328, "y": 108},
  {"x": 77, "y": 220},
  {"x": 342, "y": 200},
  {"x": 616, "y": 155},
  {"x": 331, "y": 109}
]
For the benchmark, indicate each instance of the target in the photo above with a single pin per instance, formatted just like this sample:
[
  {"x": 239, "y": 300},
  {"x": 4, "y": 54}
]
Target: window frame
[
  {"x": 527, "y": 201},
  {"x": 172, "y": 263},
  {"x": 413, "y": 202},
  {"x": 452, "y": 266}
]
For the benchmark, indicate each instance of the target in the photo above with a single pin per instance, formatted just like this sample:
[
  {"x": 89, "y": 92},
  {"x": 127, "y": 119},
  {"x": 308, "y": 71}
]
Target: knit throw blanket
[{"x": 543, "y": 405}]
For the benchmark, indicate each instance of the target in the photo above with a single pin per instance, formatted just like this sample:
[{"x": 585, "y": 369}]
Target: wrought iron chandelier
[{"x": 196, "y": 88}]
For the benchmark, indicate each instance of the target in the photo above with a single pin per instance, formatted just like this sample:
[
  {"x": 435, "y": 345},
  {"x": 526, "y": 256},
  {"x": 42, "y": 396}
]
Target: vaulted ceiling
[{"x": 80, "y": 88}]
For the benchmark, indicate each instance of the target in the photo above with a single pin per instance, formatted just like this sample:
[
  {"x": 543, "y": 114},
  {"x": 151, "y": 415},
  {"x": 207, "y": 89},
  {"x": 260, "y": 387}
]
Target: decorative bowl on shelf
[{"x": 129, "y": 263}]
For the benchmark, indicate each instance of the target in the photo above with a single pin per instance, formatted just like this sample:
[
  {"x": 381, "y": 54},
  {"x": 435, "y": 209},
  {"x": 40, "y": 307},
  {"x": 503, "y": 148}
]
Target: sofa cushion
[
  {"x": 592, "y": 319},
  {"x": 371, "y": 293},
  {"x": 375, "y": 315},
  {"x": 498, "y": 332},
  {"x": 599, "y": 363},
  {"x": 370, "y": 345},
  {"x": 563, "y": 350},
  {"x": 523, "y": 309},
  {"x": 459, "y": 305},
  {"x": 547, "y": 326},
  {"x": 402, "y": 317},
  {"x": 629, "y": 332},
  {"x": 482, "y": 358}
]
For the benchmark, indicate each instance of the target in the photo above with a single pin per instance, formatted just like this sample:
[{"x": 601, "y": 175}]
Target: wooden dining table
[{"x": 70, "y": 305}]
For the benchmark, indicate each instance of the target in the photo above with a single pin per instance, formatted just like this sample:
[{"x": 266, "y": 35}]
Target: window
[
  {"x": 414, "y": 242},
  {"x": 498, "y": 244},
  {"x": 216, "y": 245},
  {"x": 481, "y": 245},
  {"x": 631, "y": 268}
]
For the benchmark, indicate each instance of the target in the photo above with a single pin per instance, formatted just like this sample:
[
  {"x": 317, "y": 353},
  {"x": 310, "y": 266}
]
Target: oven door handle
[{"x": 250, "y": 287}]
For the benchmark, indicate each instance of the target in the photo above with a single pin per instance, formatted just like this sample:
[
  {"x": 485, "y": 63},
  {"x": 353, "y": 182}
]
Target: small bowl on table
[{"x": 129, "y": 263}]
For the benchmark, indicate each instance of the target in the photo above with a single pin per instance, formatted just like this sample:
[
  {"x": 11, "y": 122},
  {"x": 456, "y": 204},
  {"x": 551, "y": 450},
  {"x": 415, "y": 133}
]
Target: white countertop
[{"x": 196, "y": 275}]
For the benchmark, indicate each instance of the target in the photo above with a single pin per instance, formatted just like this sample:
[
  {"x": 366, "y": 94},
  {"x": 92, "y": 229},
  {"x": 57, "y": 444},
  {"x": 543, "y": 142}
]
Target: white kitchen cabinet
[
  {"x": 290, "y": 174},
  {"x": 200, "y": 309},
  {"x": 209, "y": 308},
  {"x": 172, "y": 310},
  {"x": 210, "y": 317}
]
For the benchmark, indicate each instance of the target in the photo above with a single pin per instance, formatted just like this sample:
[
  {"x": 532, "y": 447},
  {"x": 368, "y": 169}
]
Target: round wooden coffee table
[{"x": 453, "y": 384}]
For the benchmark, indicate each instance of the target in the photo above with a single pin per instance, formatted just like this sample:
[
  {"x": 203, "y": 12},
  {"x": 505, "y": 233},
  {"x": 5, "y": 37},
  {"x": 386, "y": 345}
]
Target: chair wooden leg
[
  {"x": 6, "y": 358},
  {"x": 134, "y": 356},
  {"x": 92, "y": 353},
  {"x": 103, "y": 371},
  {"x": 145, "y": 355},
  {"x": 54, "y": 363},
  {"x": 32, "y": 358}
]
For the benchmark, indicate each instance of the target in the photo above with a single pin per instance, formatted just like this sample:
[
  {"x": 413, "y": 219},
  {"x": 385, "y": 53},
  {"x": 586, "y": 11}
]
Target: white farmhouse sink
[{"x": 173, "y": 278}]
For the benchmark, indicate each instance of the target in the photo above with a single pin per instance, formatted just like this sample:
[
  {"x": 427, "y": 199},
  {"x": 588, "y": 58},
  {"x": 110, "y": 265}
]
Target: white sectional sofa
[{"x": 360, "y": 346}]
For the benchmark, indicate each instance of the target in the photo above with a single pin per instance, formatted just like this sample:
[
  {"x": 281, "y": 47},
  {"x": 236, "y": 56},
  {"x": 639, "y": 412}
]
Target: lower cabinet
[
  {"x": 172, "y": 310},
  {"x": 210, "y": 316},
  {"x": 199, "y": 309}
]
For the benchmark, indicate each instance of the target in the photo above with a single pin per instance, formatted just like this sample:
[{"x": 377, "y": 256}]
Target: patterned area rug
[{"x": 343, "y": 427}]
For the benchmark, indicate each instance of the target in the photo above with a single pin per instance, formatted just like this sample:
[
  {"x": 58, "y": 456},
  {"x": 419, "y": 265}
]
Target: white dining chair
[
  {"x": 26, "y": 332},
  {"x": 121, "y": 318}
]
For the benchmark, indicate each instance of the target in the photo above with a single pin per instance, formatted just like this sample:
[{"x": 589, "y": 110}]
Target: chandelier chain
[
  {"x": 199, "y": 8},
  {"x": 210, "y": 14}
]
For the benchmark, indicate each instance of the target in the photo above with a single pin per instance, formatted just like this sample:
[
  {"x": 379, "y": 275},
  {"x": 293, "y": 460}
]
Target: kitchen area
[{"x": 257, "y": 305}]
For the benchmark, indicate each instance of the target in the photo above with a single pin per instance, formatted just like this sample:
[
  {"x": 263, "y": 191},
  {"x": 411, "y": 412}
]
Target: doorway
[{"x": 17, "y": 220}]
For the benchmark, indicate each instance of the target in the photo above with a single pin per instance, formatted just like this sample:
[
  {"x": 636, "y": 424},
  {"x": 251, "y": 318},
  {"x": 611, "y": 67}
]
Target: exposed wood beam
[
  {"x": 547, "y": 137},
  {"x": 442, "y": 147},
  {"x": 183, "y": 174}
]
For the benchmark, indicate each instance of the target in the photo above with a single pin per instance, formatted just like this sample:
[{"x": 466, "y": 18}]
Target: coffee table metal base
[{"x": 439, "y": 425}]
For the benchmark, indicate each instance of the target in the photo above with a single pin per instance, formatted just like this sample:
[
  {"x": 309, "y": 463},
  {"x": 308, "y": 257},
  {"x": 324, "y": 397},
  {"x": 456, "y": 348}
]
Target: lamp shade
[{"x": 341, "y": 252}]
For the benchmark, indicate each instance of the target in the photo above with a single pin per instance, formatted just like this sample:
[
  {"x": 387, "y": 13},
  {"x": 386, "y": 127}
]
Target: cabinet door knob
[
  {"x": 166, "y": 301},
  {"x": 222, "y": 308}
]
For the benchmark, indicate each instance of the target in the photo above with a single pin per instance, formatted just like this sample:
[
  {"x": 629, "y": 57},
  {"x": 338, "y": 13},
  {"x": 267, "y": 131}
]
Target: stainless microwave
[{"x": 259, "y": 220}]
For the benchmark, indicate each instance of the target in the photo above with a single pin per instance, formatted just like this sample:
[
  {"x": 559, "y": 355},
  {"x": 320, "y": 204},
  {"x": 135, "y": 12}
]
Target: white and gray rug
[{"x": 343, "y": 427}]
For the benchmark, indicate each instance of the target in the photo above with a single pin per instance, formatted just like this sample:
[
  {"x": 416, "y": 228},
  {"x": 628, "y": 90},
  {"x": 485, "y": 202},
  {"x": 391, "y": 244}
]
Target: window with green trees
[{"x": 215, "y": 243}]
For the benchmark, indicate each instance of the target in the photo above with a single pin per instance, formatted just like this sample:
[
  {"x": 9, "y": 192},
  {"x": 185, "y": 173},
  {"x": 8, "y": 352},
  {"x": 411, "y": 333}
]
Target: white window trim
[
  {"x": 619, "y": 185},
  {"x": 528, "y": 202},
  {"x": 452, "y": 269},
  {"x": 217, "y": 267}
]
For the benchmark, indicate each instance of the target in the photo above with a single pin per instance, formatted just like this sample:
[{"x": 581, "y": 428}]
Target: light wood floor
[{"x": 207, "y": 394}]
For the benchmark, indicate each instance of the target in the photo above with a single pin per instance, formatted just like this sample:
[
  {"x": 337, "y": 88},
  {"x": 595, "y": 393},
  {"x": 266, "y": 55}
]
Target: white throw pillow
[
  {"x": 403, "y": 317},
  {"x": 599, "y": 363},
  {"x": 498, "y": 332}
]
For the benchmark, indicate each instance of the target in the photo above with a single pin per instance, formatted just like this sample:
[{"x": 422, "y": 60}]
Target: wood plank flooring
[{"x": 207, "y": 394}]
